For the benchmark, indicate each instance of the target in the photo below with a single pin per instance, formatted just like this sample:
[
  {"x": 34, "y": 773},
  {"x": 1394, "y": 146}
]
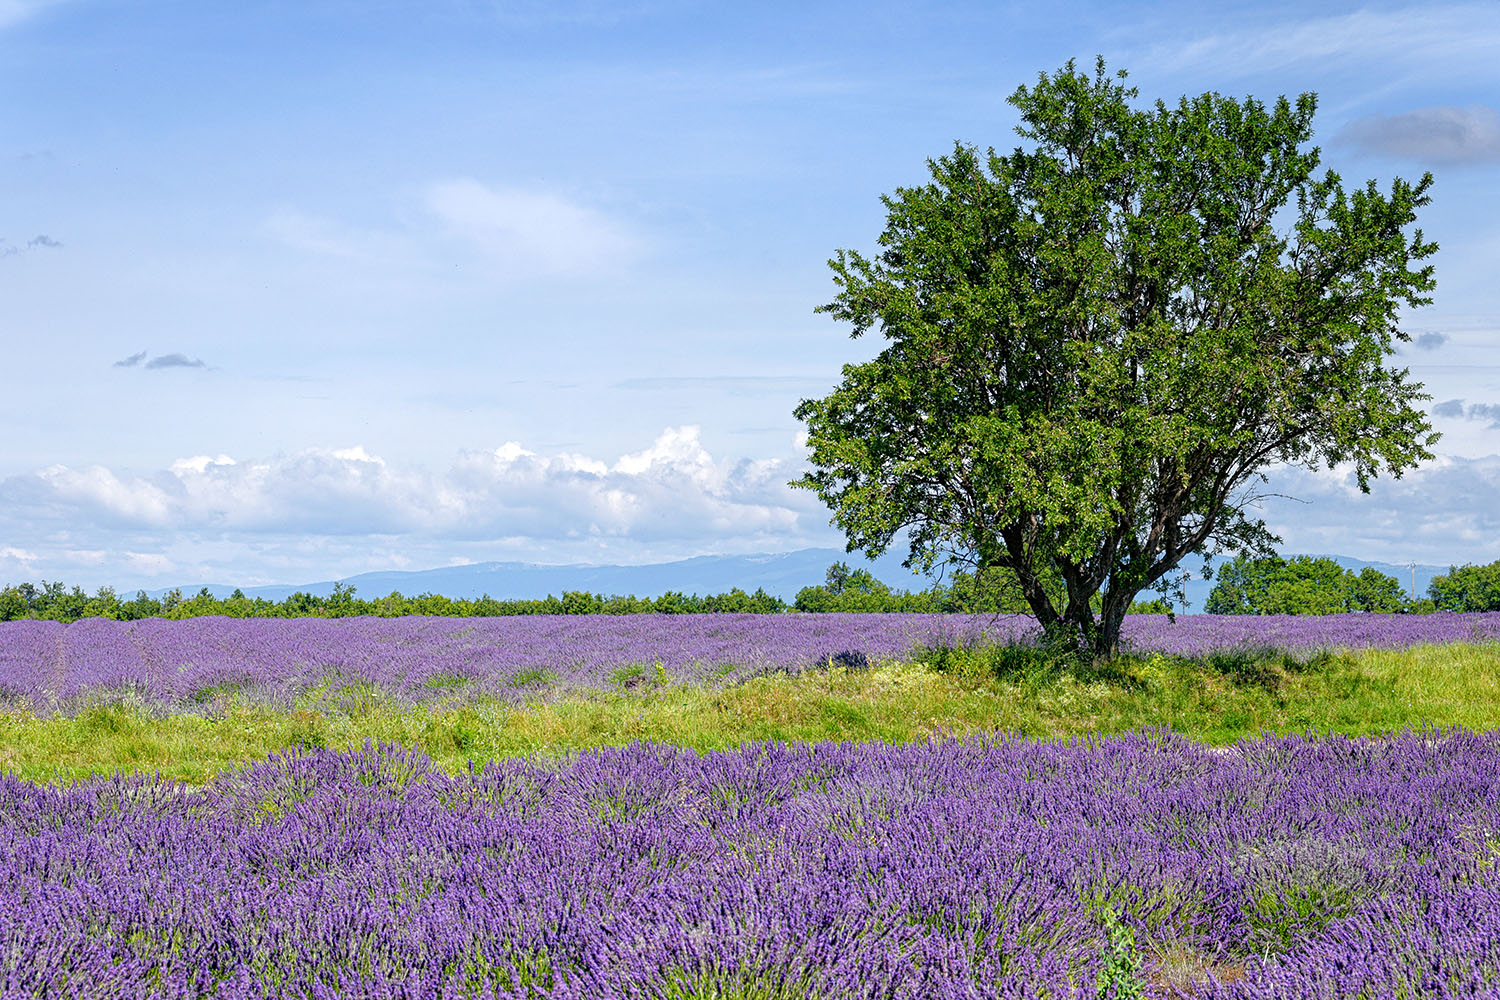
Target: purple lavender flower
[
  {"x": 988, "y": 867},
  {"x": 198, "y": 660}
]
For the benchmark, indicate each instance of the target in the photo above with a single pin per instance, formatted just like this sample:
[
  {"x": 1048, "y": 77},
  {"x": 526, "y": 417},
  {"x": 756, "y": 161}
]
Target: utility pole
[{"x": 1413, "y": 566}]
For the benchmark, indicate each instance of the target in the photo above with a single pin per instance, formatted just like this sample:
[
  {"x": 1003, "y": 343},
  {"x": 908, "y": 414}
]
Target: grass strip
[{"x": 1217, "y": 699}]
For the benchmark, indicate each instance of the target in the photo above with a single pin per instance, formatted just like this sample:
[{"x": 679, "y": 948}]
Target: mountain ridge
[{"x": 778, "y": 573}]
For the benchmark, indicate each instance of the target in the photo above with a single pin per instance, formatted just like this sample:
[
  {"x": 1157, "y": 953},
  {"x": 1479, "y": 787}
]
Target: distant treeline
[
  {"x": 1304, "y": 585},
  {"x": 1299, "y": 586},
  {"x": 843, "y": 589}
]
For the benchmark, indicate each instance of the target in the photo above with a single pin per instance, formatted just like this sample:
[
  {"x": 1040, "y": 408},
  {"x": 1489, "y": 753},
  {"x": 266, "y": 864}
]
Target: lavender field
[
  {"x": 49, "y": 666},
  {"x": 1145, "y": 865}
]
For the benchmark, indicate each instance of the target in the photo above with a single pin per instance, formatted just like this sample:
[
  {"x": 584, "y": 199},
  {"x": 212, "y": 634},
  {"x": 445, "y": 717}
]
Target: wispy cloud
[
  {"x": 1442, "y": 135},
  {"x": 131, "y": 361},
  {"x": 15, "y": 11},
  {"x": 508, "y": 233},
  {"x": 525, "y": 232},
  {"x": 738, "y": 385},
  {"x": 1430, "y": 341},
  {"x": 1424, "y": 35}
]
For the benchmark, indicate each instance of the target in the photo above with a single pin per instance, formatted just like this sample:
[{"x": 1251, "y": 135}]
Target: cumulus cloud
[
  {"x": 530, "y": 232},
  {"x": 671, "y": 491},
  {"x": 173, "y": 361},
  {"x": 16, "y": 562},
  {"x": 1441, "y": 512},
  {"x": 1456, "y": 409},
  {"x": 1444, "y": 135},
  {"x": 1430, "y": 341}
]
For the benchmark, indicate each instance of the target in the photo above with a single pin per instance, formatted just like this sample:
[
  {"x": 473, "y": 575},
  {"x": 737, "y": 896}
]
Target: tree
[
  {"x": 1302, "y": 585},
  {"x": 845, "y": 589},
  {"x": 1375, "y": 592},
  {"x": 1097, "y": 345},
  {"x": 1467, "y": 588}
]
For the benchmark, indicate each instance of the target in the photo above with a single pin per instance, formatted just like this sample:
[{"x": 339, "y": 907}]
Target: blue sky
[{"x": 293, "y": 291}]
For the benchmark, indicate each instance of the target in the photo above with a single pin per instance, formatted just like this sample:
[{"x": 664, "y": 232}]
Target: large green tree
[{"x": 1097, "y": 344}]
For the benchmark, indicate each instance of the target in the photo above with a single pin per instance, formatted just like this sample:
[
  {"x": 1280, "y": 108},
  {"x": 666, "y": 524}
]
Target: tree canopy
[
  {"x": 1097, "y": 344},
  {"x": 1467, "y": 588},
  {"x": 1302, "y": 585}
]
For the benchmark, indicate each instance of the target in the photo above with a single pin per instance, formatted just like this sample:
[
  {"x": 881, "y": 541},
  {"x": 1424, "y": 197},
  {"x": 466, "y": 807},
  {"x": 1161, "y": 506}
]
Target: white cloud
[
  {"x": 328, "y": 512},
  {"x": 94, "y": 488},
  {"x": 512, "y": 450},
  {"x": 357, "y": 454},
  {"x": 198, "y": 463},
  {"x": 16, "y": 563},
  {"x": 1441, "y": 512},
  {"x": 523, "y": 232},
  {"x": 508, "y": 233},
  {"x": 672, "y": 491}
]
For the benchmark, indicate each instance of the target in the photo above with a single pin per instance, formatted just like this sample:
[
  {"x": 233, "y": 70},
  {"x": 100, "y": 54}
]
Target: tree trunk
[{"x": 1107, "y": 639}]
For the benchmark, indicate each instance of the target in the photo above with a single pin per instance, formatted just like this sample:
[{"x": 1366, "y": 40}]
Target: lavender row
[
  {"x": 50, "y": 665},
  {"x": 985, "y": 868}
]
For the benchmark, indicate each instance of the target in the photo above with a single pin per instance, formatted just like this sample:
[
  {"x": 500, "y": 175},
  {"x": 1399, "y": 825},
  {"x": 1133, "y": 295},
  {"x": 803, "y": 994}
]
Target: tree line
[
  {"x": 843, "y": 590},
  {"x": 1302, "y": 585}
]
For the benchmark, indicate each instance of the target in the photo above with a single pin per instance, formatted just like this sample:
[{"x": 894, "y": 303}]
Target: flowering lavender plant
[
  {"x": 990, "y": 867},
  {"x": 164, "y": 663}
]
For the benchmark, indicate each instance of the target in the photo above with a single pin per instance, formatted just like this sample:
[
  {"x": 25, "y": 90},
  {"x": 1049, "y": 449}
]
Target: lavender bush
[
  {"x": 992, "y": 867},
  {"x": 49, "y": 666}
]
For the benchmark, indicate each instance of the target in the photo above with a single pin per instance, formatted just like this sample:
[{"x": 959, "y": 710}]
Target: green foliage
[
  {"x": 54, "y": 601},
  {"x": 1302, "y": 585},
  {"x": 1120, "y": 972},
  {"x": 1467, "y": 588},
  {"x": 529, "y": 676},
  {"x": 1096, "y": 345}
]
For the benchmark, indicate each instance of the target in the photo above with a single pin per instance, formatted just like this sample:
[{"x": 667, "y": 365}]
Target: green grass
[{"x": 950, "y": 692}]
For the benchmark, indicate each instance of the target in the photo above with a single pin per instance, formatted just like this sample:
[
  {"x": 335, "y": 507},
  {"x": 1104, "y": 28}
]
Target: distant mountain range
[{"x": 782, "y": 574}]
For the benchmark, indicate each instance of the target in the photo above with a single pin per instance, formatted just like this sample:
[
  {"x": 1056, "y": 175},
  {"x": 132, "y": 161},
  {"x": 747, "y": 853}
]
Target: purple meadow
[
  {"x": 169, "y": 664},
  {"x": 990, "y": 867}
]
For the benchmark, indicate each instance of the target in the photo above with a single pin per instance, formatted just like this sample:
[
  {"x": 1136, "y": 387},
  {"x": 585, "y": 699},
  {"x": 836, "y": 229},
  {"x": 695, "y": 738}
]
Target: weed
[{"x": 1120, "y": 972}]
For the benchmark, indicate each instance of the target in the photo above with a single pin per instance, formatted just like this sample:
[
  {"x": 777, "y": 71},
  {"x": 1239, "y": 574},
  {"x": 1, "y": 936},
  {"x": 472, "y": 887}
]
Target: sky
[{"x": 291, "y": 291}]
